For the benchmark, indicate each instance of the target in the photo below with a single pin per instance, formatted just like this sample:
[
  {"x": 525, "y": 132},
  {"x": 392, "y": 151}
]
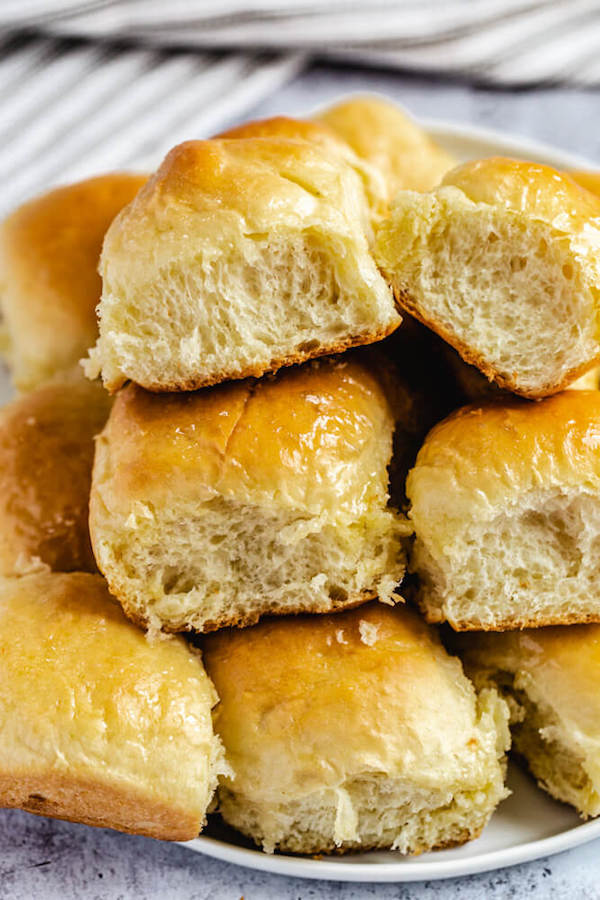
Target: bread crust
[
  {"x": 58, "y": 796},
  {"x": 46, "y": 456},
  {"x": 367, "y": 703},
  {"x": 98, "y": 726},
  {"x": 194, "y": 384},
  {"x": 239, "y": 621},
  {"x": 385, "y": 136},
  {"x": 463, "y": 837},
  {"x": 511, "y": 623},
  {"x": 49, "y": 253},
  {"x": 404, "y": 301}
]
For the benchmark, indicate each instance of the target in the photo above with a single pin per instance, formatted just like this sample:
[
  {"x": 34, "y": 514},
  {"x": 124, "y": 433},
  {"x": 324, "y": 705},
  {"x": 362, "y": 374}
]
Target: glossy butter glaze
[
  {"x": 387, "y": 138},
  {"x": 98, "y": 725},
  {"x": 312, "y": 701},
  {"x": 49, "y": 254},
  {"x": 46, "y": 456},
  {"x": 316, "y": 437},
  {"x": 530, "y": 188},
  {"x": 488, "y": 454},
  {"x": 322, "y": 135}
]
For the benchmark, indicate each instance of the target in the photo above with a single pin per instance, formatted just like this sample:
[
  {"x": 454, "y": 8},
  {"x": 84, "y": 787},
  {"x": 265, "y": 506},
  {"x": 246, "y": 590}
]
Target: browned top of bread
[
  {"x": 484, "y": 456},
  {"x": 292, "y": 129},
  {"x": 589, "y": 180},
  {"x": 46, "y": 455},
  {"x": 537, "y": 190},
  {"x": 316, "y": 436},
  {"x": 387, "y": 138},
  {"x": 309, "y": 701},
  {"x": 322, "y": 135},
  {"x": 49, "y": 283},
  {"x": 98, "y": 725}
]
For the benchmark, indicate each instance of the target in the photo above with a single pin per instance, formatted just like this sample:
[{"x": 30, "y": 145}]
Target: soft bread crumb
[
  {"x": 502, "y": 286},
  {"x": 346, "y": 819},
  {"x": 368, "y": 632}
]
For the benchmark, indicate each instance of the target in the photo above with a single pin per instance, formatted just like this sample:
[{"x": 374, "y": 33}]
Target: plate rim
[
  {"x": 521, "y": 146},
  {"x": 429, "y": 870},
  {"x": 398, "y": 871}
]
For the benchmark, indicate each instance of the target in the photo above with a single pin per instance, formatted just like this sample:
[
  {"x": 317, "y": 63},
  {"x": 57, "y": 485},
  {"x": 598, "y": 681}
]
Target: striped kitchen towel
[
  {"x": 69, "y": 110},
  {"x": 499, "y": 41},
  {"x": 91, "y": 86}
]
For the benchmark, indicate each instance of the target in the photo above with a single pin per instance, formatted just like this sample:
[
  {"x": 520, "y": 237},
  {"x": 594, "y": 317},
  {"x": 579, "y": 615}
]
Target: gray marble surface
[{"x": 41, "y": 858}]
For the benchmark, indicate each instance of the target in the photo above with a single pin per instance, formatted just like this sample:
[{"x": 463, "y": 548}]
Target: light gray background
[{"x": 46, "y": 859}]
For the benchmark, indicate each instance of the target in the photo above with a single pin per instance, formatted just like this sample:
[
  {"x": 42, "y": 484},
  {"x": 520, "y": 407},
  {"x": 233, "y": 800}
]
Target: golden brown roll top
[
  {"x": 383, "y": 135},
  {"x": 493, "y": 453},
  {"x": 49, "y": 283},
  {"x": 98, "y": 725},
  {"x": 526, "y": 187},
  {"x": 46, "y": 456},
  {"x": 505, "y": 502},
  {"x": 315, "y": 437},
  {"x": 588, "y": 180},
  {"x": 215, "y": 507},
  {"x": 551, "y": 676},
  {"x": 502, "y": 260},
  {"x": 320, "y": 134},
  {"x": 238, "y": 257},
  {"x": 347, "y": 730}
]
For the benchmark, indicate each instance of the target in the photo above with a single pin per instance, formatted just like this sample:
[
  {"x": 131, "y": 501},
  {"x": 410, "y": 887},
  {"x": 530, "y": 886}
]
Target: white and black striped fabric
[
  {"x": 499, "y": 41},
  {"x": 69, "y": 110},
  {"x": 88, "y": 86}
]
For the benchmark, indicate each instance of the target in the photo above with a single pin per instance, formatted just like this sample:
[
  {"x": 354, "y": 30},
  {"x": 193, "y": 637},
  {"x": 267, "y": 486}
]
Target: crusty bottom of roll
[
  {"x": 367, "y": 814},
  {"x": 496, "y": 379},
  {"x": 274, "y": 301},
  {"x": 206, "y": 566},
  {"x": 102, "y": 806},
  {"x": 546, "y": 747},
  {"x": 532, "y": 565},
  {"x": 263, "y": 367},
  {"x": 516, "y": 622}
]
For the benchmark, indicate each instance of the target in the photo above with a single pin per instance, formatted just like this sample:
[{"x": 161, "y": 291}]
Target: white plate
[{"x": 528, "y": 825}]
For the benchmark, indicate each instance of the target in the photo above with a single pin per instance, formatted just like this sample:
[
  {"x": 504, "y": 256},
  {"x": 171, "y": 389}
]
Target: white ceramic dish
[{"x": 528, "y": 825}]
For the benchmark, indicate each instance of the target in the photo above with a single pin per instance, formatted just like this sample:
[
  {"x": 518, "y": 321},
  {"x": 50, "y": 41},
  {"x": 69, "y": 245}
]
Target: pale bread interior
[
  {"x": 534, "y": 563},
  {"x": 509, "y": 292},
  {"x": 271, "y": 300},
  {"x": 220, "y": 562}
]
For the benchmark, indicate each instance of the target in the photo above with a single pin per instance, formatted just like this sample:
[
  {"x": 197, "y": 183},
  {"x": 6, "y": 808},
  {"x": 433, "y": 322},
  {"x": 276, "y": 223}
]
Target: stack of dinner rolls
[{"x": 224, "y": 553}]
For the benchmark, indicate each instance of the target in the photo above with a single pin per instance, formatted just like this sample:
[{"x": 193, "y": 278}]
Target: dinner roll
[
  {"x": 589, "y": 180},
  {"x": 46, "y": 455},
  {"x": 353, "y": 731},
  {"x": 503, "y": 261},
  {"x": 214, "y": 508},
  {"x": 49, "y": 283},
  {"x": 384, "y": 136},
  {"x": 319, "y": 133},
  {"x": 238, "y": 257},
  {"x": 506, "y": 510},
  {"x": 550, "y": 677},
  {"x": 96, "y": 724}
]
